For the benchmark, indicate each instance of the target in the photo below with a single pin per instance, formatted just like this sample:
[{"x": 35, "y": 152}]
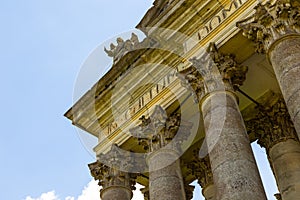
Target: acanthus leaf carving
[
  {"x": 271, "y": 22},
  {"x": 272, "y": 125},
  {"x": 212, "y": 72},
  {"x": 159, "y": 130}
]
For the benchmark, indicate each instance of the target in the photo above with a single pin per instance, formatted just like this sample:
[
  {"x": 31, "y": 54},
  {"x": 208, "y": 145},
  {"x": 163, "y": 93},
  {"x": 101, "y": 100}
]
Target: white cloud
[
  {"x": 90, "y": 192},
  {"x": 45, "y": 196}
]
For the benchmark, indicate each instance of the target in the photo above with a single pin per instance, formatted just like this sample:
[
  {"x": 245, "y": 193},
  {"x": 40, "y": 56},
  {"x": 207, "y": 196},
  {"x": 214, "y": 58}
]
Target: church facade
[{"x": 186, "y": 101}]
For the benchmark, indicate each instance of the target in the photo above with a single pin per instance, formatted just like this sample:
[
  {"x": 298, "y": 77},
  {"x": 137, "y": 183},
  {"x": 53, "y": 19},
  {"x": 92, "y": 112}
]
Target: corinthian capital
[
  {"x": 212, "y": 72},
  {"x": 159, "y": 130},
  {"x": 272, "y": 125},
  {"x": 271, "y": 22},
  {"x": 110, "y": 176}
]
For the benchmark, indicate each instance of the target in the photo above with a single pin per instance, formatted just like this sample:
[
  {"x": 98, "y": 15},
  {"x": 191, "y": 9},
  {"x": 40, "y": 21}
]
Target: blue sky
[{"x": 43, "y": 44}]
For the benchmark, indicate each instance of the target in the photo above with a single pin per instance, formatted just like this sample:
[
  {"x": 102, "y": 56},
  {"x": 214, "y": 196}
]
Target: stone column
[
  {"x": 156, "y": 134},
  {"x": 276, "y": 31},
  {"x": 275, "y": 132},
  {"x": 235, "y": 172},
  {"x": 116, "y": 184}
]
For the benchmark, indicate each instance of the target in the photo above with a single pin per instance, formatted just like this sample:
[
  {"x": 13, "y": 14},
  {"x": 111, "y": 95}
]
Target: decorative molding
[
  {"x": 270, "y": 22},
  {"x": 272, "y": 125}
]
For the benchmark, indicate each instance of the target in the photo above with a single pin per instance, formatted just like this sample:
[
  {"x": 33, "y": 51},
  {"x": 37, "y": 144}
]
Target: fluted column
[
  {"x": 275, "y": 132},
  {"x": 235, "y": 172},
  {"x": 115, "y": 184},
  {"x": 156, "y": 134},
  {"x": 276, "y": 31}
]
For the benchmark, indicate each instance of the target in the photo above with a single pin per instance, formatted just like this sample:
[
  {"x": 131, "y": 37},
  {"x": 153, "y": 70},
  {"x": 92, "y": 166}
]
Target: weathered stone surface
[
  {"x": 285, "y": 59},
  {"x": 166, "y": 183},
  {"x": 275, "y": 132},
  {"x": 285, "y": 158},
  {"x": 233, "y": 165},
  {"x": 234, "y": 169},
  {"x": 275, "y": 28},
  {"x": 113, "y": 193},
  {"x": 155, "y": 134}
]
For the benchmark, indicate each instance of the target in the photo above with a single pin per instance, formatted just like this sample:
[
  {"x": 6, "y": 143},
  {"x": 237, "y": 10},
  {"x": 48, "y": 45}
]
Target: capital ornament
[
  {"x": 214, "y": 71},
  {"x": 159, "y": 130},
  {"x": 272, "y": 125},
  {"x": 270, "y": 22},
  {"x": 109, "y": 174}
]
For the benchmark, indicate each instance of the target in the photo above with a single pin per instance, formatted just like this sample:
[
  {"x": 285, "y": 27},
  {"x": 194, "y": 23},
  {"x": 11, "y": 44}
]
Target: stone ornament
[
  {"x": 109, "y": 176},
  {"x": 159, "y": 130},
  {"x": 271, "y": 22},
  {"x": 272, "y": 125},
  {"x": 213, "y": 72},
  {"x": 122, "y": 47}
]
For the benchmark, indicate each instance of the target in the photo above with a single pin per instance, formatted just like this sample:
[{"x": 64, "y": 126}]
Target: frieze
[
  {"x": 137, "y": 105},
  {"x": 218, "y": 19}
]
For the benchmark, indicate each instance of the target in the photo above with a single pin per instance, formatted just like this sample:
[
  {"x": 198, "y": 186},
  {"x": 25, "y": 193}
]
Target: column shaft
[
  {"x": 285, "y": 59},
  {"x": 165, "y": 183},
  {"x": 116, "y": 192},
  {"x": 275, "y": 131},
  {"x": 235, "y": 173},
  {"x": 285, "y": 160},
  {"x": 274, "y": 27}
]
